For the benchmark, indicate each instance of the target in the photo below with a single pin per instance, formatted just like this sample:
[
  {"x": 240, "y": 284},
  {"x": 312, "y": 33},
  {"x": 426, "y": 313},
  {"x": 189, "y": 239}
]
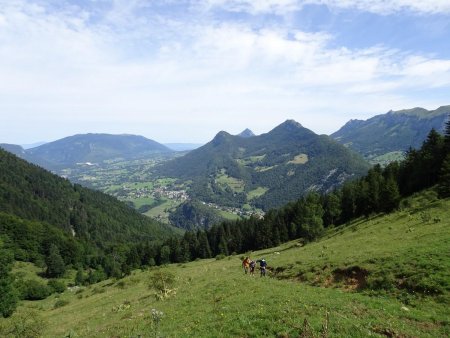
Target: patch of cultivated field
[
  {"x": 235, "y": 184},
  {"x": 299, "y": 159},
  {"x": 255, "y": 193}
]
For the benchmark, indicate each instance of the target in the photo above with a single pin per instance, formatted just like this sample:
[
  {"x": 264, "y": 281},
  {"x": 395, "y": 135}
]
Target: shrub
[
  {"x": 25, "y": 323},
  {"x": 163, "y": 281},
  {"x": 34, "y": 290},
  {"x": 60, "y": 303},
  {"x": 98, "y": 290},
  {"x": 121, "y": 284},
  {"x": 383, "y": 281},
  {"x": 219, "y": 257},
  {"x": 57, "y": 285}
]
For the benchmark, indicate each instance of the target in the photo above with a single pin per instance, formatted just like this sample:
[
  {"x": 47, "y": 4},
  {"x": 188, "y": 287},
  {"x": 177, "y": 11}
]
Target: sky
[{"x": 182, "y": 70}]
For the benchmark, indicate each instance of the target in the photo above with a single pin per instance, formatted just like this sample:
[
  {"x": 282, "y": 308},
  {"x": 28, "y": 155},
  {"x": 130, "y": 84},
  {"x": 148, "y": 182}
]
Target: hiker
[
  {"x": 246, "y": 264},
  {"x": 252, "y": 268},
  {"x": 262, "y": 266}
]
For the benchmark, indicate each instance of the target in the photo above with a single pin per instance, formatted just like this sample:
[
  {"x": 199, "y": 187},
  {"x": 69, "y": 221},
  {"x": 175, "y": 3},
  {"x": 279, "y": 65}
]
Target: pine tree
[
  {"x": 55, "y": 264},
  {"x": 432, "y": 157},
  {"x": 348, "y": 202},
  {"x": 447, "y": 136},
  {"x": 390, "y": 195},
  {"x": 164, "y": 255},
  {"x": 444, "y": 179},
  {"x": 332, "y": 209},
  {"x": 203, "y": 244}
]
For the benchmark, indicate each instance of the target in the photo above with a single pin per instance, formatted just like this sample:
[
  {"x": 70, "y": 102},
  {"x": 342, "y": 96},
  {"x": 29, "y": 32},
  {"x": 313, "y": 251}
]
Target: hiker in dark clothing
[{"x": 262, "y": 266}]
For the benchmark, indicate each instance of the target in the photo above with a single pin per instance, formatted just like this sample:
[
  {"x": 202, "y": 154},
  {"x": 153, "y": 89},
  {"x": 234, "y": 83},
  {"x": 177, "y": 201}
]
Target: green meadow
[{"x": 385, "y": 276}]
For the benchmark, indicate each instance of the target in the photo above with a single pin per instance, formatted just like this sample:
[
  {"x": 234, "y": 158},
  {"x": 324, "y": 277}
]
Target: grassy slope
[{"x": 215, "y": 299}]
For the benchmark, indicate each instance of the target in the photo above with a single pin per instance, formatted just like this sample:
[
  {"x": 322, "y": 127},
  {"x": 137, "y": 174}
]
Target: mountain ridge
[
  {"x": 392, "y": 132},
  {"x": 281, "y": 165},
  {"x": 90, "y": 147}
]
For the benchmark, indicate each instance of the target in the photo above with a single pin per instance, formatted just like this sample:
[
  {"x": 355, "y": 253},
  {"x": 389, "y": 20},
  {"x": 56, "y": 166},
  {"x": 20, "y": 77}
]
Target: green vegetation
[
  {"x": 194, "y": 215},
  {"x": 387, "y": 158},
  {"x": 162, "y": 210},
  {"x": 227, "y": 168},
  {"x": 8, "y": 294},
  {"x": 255, "y": 193},
  {"x": 46, "y": 220},
  {"x": 236, "y": 185},
  {"x": 379, "y": 291},
  {"x": 391, "y": 133}
]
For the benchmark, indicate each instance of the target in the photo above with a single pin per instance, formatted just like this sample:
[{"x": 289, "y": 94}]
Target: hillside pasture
[{"x": 384, "y": 276}]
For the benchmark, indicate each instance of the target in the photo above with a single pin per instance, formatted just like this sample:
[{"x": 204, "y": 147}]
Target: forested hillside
[
  {"x": 46, "y": 220},
  {"x": 32, "y": 193},
  {"x": 264, "y": 171},
  {"x": 388, "y": 136}
]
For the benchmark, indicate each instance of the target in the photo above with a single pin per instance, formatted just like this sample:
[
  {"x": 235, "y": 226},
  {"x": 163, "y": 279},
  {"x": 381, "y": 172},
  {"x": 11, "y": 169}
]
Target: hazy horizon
[{"x": 179, "y": 72}]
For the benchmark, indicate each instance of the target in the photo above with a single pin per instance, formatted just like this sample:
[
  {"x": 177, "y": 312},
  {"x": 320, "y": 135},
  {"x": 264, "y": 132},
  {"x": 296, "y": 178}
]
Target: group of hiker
[{"x": 249, "y": 266}]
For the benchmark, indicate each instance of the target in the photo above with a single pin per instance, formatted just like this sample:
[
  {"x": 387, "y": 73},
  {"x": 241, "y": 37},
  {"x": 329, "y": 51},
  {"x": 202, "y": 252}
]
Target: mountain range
[
  {"x": 387, "y": 136},
  {"x": 247, "y": 170},
  {"x": 88, "y": 148},
  {"x": 264, "y": 171}
]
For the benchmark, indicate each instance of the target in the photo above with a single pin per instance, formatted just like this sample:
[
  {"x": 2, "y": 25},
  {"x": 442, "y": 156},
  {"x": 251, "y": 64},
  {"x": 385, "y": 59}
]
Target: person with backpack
[
  {"x": 262, "y": 267},
  {"x": 252, "y": 267}
]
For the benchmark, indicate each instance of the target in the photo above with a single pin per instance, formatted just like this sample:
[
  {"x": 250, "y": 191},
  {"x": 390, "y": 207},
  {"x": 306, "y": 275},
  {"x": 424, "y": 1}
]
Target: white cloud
[
  {"x": 375, "y": 6},
  {"x": 135, "y": 70}
]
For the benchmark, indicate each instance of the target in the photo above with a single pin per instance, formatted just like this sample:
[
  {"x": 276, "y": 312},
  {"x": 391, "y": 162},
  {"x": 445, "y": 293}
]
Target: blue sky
[{"x": 180, "y": 71}]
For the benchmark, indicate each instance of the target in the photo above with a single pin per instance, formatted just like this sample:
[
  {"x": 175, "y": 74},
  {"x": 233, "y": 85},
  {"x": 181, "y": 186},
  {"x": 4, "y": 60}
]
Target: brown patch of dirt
[
  {"x": 389, "y": 332},
  {"x": 353, "y": 278}
]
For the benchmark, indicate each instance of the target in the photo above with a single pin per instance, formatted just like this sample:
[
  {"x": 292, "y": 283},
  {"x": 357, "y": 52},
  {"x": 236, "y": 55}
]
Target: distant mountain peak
[
  {"x": 291, "y": 124},
  {"x": 221, "y": 137},
  {"x": 246, "y": 133}
]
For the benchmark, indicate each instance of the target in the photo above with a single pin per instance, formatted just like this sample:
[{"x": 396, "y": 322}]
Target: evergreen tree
[
  {"x": 164, "y": 255},
  {"x": 432, "y": 156},
  {"x": 309, "y": 217},
  {"x": 203, "y": 244},
  {"x": 55, "y": 264},
  {"x": 444, "y": 179},
  {"x": 447, "y": 136},
  {"x": 332, "y": 209},
  {"x": 348, "y": 201},
  {"x": 390, "y": 195}
]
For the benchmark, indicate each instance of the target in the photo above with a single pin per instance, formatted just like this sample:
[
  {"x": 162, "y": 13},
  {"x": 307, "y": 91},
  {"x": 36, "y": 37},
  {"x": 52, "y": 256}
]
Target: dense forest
[
  {"x": 192, "y": 215},
  {"x": 46, "y": 220}
]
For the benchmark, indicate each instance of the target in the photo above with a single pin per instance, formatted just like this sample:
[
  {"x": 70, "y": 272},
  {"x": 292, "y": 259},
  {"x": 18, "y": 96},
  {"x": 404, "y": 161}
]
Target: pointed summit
[
  {"x": 246, "y": 133},
  {"x": 291, "y": 125},
  {"x": 220, "y": 138}
]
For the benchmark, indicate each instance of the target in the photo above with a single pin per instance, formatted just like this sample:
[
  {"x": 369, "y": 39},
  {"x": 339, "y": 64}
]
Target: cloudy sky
[{"x": 182, "y": 70}]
